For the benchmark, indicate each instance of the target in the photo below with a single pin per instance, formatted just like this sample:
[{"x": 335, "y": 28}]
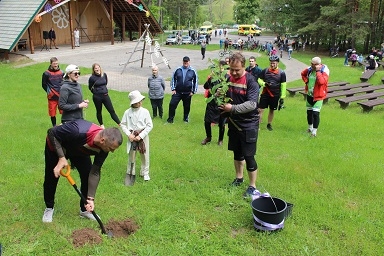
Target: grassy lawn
[{"x": 335, "y": 181}]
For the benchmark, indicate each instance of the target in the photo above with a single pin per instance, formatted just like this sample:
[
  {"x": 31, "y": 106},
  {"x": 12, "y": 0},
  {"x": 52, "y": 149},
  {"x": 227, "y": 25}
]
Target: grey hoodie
[{"x": 71, "y": 96}]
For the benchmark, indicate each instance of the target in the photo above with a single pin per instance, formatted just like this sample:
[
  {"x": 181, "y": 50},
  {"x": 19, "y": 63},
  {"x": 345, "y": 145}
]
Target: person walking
[
  {"x": 77, "y": 141},
  {"x": 203, "y": 46},
  {"x": 71, "y": 96},
  {"x": 184, "y": 85},
  {"x": 290, "y": 50},
  {"x": 243, "y": 121},
  {"x": 253, "y": 68},
  {"x": 156, "y": 86},
  {"x": 315, "y": 78},
  {"x": 136, "y": 124},
  {"x": 274, "y": 83},
  {"x": 97, "y": 84},
  {"x": 52, "y": 80},
  {"x": 52, "y": 38},
  {"x": 212, "y": 111},
  {"x": 76, "y": 35}
]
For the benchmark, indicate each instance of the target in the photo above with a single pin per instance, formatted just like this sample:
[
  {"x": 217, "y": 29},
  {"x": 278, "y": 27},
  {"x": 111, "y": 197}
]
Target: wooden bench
[
  {"x": 366, "y": 75},
  {"x": 347, "y": 87},
  {"x": 344, "y": 102},
  {"x": 382, "y": 80},
  {"x": 293, "y": 91},
  {"x": 352, "y": 92},
  {"x": 368, "y": 105},
  {"x": 381, "y": 63},
  {"x": 22, "y": 44}
]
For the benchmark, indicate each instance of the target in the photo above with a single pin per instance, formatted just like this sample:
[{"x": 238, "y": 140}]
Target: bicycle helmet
[{"x": 274, "y": 58}]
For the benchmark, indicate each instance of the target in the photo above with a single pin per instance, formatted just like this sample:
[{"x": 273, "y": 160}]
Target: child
[{"x": 136, "y": 124}]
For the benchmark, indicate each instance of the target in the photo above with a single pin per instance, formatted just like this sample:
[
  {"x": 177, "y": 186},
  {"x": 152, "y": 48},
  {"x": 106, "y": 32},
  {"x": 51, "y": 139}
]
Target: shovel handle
[{"x": 67, "y": 174}]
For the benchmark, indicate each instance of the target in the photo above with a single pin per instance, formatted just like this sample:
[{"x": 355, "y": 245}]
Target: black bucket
[{"x": 269, "y": 212}]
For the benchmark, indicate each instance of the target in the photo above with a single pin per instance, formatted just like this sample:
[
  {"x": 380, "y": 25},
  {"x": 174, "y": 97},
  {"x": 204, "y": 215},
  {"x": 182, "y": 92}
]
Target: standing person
[
  {"x": 76, "y": 35},
  {"x": 97, "y": 84},
  {"x": 156, "y": 85},
  {"x": 183, "y": 85},
  {"x": 226, "y": 44},
  {"x": 212, "y": 111},
  {"x": 136, "y": 124},
  {"x": 203, "y": 48},
  {"x": 274, "y": 83},
  {"x": 52, "y": 80},
  {"x": 315, "y": 78},
  {"x": 52, "y": 38},
  {"x": 290, "y": 50},
  {"x": 354, "y": 58},
  {"x": 77, "y": 140},
  {"x": 253, "y": 68},
  {"x": 71, "y": 96},
  {"x": 243, "y": 124}
]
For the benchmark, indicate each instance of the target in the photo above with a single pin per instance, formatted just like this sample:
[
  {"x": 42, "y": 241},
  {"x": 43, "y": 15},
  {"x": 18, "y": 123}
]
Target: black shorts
[
  {"x": 243, "y": 141},
  {"x": 267, "y": 101}
]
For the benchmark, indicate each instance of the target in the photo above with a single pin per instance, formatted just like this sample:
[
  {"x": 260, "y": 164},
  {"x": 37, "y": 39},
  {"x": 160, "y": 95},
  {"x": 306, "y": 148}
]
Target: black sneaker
[
  {"x": 269, "y": 127},
  {"x": 237, "y": 182},
  {"x": 250, "y": 192},
  {"x": 186, "y": 120}
]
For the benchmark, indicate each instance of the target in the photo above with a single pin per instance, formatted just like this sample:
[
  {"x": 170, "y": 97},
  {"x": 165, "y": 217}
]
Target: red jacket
[{"x": 321, "y": 85}]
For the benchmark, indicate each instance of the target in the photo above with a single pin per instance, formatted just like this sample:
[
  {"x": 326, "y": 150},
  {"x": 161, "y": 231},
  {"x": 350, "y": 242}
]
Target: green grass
[{"x": 334, "y": 181}]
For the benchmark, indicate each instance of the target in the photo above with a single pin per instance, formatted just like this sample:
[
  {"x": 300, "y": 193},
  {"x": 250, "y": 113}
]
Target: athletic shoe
[
  {"x": 237, "y": 182},
  {"x": 205, "y": 141},
  {"x": 186, "y": 120},
  {"x": 48, "y": 215},
  {"x": 251, "y": 191},
  {"x": 269, "y": 127},
  {"x": 313, "y": 135},
  {"x": 87, "y": 215},
  {"x": 146, "y": 177},
  {"x": 309, "y": 130}
]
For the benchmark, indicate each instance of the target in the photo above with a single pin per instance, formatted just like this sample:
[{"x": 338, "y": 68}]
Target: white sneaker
[
  {"x": 87, "y": 215},
  {"x": 48, "y": 215},
  {"x": 146, "y": 177}
]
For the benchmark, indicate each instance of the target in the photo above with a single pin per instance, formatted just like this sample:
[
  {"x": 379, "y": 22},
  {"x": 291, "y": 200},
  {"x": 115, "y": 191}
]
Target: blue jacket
[{"x": 188, "y": 84}]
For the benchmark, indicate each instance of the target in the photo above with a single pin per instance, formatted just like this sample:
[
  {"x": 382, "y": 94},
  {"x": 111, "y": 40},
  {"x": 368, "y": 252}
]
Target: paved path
[{"x": 113, "y": 57}]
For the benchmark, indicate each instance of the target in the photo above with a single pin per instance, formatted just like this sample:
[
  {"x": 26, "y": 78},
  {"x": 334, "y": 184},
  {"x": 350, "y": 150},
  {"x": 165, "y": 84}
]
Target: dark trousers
[
  {"x": 203, "y": 52},
  {"x": 82, "y": 163},
  {"x": 186, "y": 98},
  {"x": 157, "y": 104},
  {"x": 99, "y": 100},
  {"x": 208, "y": 128}
]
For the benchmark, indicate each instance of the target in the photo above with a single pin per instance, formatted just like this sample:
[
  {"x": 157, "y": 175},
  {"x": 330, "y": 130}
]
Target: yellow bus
[
  {"x": 244, "y": 30},
  {"x": 204, "y": 30}
]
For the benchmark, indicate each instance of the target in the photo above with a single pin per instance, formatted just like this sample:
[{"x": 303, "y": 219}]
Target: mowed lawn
[{"x": 335, "y": 181}]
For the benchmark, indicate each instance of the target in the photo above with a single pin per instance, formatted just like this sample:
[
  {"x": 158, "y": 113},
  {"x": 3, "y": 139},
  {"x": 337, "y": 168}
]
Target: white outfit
[
  {"x": 76, "y": 35},
  {"x": 137, "y": 119}
]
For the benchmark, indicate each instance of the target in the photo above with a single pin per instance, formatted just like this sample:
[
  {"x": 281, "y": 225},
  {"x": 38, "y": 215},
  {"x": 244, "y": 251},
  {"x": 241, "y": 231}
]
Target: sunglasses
[{"x": 76, "y": 73}]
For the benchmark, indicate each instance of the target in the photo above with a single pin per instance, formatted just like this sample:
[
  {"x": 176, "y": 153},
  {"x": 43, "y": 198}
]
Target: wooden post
[
  {"x": 142, "y": 54},
  {"x": 71, "y": 25},
  {"x": 30, "y": 38},
  {"x": 123, "y": 27},
  {"x": 111, "y": 19}
]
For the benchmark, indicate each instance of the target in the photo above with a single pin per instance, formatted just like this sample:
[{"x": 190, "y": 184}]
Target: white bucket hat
[{"x": 135, "y": 97}]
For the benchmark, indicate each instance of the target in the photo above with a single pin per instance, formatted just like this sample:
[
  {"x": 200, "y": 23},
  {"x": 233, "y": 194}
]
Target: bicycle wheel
[
  {"x": 221, "y": 53},
  {"x": 229, "y": 53}
]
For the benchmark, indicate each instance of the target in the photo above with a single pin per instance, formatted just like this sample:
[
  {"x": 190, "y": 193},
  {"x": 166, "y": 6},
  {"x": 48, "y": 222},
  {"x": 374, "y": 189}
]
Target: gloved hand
[{"x": 281, "y": 104}]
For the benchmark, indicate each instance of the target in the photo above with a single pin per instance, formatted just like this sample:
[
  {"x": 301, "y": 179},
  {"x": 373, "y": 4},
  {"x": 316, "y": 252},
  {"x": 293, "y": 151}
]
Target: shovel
[
  {"x": 131, "y": 177},
  {"x": 67, "y": 174}
]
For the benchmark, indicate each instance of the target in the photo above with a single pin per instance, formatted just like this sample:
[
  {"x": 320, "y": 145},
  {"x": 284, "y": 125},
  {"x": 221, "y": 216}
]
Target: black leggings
[
  {"x": 208, "y": 128},
  {"x": 313, "y": 117},
  {"x": 99, "y": 100}
]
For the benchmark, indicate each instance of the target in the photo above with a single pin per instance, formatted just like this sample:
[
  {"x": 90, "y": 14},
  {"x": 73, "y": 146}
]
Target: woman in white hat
[
  {"x": 136, "y": 124},
  {"x": 71, "y": 96}
]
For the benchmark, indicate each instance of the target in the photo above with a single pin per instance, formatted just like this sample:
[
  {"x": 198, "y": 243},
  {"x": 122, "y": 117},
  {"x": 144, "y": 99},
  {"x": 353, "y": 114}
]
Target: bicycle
[{"x": 222, "y": 53}]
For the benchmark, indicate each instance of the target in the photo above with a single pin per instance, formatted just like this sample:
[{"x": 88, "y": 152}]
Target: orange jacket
[{"x": 321, "y": 85}]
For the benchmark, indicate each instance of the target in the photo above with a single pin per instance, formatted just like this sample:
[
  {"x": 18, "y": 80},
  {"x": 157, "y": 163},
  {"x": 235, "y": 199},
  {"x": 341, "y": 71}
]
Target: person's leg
[
  {"x": 154, "y": 108},
  {"x": 50, "y": 181},
  {"x": 208, "y": 133},
  {"x": 172, "y": 107},
  {"x": 108, "y": 105},
  {"x": 50, "y": 43},
  {"x": 145, "y": 160},
  {"x": 316, "y": 116},
  {"x": 309, "y": 105},
  {"x": 98, "y": 101},
  {"x": 222, "y": 121},
  {"x": 52, "y": 106},
  {"x": 187, "y": 106},
  {"x": 83, "y": 165},
  {"x": 271, "y": 114},
  {"x": 160, "y": 105}
]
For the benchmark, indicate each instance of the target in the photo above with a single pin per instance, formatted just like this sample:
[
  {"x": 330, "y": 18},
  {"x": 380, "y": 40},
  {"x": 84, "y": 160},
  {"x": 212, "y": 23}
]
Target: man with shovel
[{"x": 77, "y": 140}]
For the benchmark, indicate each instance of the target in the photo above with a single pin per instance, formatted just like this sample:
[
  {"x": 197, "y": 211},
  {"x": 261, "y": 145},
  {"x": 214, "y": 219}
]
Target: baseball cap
[
  {"x": 186, "y": 58},
  {"x": 70, "y": 68}
]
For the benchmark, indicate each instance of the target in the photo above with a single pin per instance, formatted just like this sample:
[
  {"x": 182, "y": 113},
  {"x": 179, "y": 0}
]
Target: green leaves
[{"x": 220, "y": 81}]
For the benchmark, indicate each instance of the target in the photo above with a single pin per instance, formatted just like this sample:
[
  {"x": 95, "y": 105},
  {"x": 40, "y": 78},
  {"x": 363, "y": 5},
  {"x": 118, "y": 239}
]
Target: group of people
[
  {"x": 251, "y": 90},
  {"x": 52, "y": 38}
]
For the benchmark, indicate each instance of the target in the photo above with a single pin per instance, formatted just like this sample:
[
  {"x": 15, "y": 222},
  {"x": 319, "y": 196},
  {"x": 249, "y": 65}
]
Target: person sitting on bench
[{"x": 372, "y": 64}]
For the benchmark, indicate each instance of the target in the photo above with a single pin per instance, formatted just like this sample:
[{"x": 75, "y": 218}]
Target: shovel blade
[{"x": 130, "y": 179}]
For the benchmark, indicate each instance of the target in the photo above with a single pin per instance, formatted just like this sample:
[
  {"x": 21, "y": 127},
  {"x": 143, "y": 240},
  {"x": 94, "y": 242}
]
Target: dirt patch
[{"x": 121, "y": 228}]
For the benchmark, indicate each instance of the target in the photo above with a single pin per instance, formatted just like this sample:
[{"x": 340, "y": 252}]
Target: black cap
[{"x": 186, "y": 58}]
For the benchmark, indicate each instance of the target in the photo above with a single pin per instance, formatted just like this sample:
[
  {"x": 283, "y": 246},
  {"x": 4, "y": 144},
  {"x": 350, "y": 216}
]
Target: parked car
[
  {"x": 201, "y": 38},
  {"x": 186, "y": 40},
  {"x": 171, "y": 39}
]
